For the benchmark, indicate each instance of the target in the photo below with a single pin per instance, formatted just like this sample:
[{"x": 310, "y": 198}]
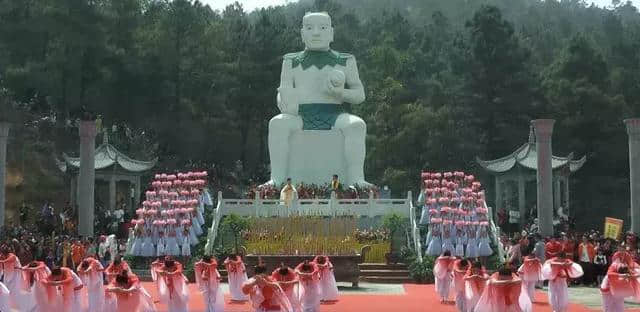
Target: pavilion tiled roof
[
  {"x": 107, "y": 155},
  {"x": 527, "y": 157}
]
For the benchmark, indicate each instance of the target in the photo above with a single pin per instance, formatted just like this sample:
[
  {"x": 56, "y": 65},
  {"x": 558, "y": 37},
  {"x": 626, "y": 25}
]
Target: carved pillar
[
  {"x": 544, "y": 130},
  {"x": 633, "y": 130},
  {"x": 86, "y": 178},
  {"x": 4, "y": 135}
]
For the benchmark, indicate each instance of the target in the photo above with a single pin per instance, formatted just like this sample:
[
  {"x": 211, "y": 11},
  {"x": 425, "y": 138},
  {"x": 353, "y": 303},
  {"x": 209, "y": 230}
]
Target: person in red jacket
[{"x": 552, "y": 248}]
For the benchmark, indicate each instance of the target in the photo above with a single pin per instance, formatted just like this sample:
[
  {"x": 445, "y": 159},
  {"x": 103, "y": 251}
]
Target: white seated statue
[{"x": 314, "y": 85}]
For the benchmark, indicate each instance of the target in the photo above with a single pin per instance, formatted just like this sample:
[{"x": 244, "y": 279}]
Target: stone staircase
[{"x": 384, "y": 273}]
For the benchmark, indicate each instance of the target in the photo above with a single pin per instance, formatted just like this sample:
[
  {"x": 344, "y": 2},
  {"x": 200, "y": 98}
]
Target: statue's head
[{"x": 317, "y": 32}]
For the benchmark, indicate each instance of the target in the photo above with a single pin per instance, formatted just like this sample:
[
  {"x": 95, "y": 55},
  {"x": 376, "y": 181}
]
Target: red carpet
[{"x": 416, "y": 298}]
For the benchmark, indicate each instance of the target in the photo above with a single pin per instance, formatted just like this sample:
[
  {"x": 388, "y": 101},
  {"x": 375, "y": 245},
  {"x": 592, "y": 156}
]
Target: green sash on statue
[
  {"x": 319, "y": 59},
  {"x": 319, "y": 116}
]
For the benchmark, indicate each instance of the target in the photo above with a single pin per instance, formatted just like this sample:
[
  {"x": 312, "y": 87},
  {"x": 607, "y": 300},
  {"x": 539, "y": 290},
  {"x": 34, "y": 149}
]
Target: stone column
[
  {"x": 112, "y": 193},
  {"x": 633, "y": 130},
  {"x": 498, "y": 197},
  {"x": 521, "y": 201},
  {"x": 73, "y": 190},
  {"x": 544, "y": 130},
  {"x": 556, "y": 194},
  {"x": 566, "y": 195},
  {"x": 86, "y": 178},
  {"x": 4, "y": 135},
  {"x": 137, "y": 194}
]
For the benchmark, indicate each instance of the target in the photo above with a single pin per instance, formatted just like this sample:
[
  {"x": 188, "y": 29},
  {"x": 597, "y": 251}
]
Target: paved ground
[{"x": 590, "y": 297}]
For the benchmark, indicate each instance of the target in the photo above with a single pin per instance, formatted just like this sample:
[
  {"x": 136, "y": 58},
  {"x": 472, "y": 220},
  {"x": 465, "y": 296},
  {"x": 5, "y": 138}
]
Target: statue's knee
[
  {"x": 357, "y": 126},
  {"x": 283, "y": 123}
]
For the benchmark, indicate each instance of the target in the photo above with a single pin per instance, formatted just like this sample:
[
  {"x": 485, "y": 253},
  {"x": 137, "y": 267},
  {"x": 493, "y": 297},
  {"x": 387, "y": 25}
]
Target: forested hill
[{"x": 446, "y": 81}]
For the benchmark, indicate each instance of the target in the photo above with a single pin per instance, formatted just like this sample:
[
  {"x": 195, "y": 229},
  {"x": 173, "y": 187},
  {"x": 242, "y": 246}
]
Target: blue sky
[{"x": 250, "y": 5}]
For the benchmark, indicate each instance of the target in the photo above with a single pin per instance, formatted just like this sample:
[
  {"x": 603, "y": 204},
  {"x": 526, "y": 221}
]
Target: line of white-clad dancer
[
  {"x": 508, "y": 290},
  {"x": 36, "y": 288}
]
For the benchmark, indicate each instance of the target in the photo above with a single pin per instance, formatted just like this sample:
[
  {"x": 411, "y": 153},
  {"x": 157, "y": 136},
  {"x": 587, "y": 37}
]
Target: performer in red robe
[
  {"x": 60, "y": 292},
  {"x": 503, "y": 293},
  {"x": 310, "y": 290},
  {"x": 460, "y": 268},
  {"x": 236, "y": 275},
  {"x": 32, "y": 274},
  {"x": 90, "y": 272},
  {"x": 172, "y": 286},
  {"x": 475, "y": 282},
  {"x": 442, "y": 271},
  {"x": 12, "y": 277},
  {"x": 328, "y": 284},
  {"x": 208, "y": 280},
  {"x": 557, "y": 270},
  {"x": 531, "y": 273},
  {"x": 116, "y": 267},
  {"x": 265, "y": 293},
  {"x": 288, "y": 281},
  {"x": 623, "y": 258},
  {"x": 125, "y": 294}
]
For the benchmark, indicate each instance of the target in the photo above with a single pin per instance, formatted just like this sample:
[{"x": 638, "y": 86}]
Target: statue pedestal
[{"x": 315, "y": 155}]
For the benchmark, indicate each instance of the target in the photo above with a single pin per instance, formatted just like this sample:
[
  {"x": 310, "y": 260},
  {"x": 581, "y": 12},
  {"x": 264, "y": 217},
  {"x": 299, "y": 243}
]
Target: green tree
[{"x": 236, "y": 225}]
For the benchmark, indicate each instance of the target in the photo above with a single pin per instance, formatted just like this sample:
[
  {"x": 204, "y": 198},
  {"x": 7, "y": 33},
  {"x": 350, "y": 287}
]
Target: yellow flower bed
[{"x": 308, "y": 235}]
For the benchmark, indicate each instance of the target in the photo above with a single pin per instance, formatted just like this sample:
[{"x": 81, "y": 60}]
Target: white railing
[
  {"x": 213, "y": 230},
  {"x": 415, "y": 231},
  {"x": 368, "y": 207},
  {"x": 495, "y": 233}
]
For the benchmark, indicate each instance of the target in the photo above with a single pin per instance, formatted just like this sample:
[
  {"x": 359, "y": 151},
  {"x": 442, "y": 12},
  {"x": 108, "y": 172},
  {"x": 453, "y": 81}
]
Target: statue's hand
[
  {"x": 335, "y": 84},
  {"x": 287, "y": 102}
]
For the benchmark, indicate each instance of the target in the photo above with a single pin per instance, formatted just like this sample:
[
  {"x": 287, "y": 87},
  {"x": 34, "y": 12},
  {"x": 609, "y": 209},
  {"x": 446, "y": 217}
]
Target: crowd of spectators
[
  {"x": 30, "y": 243},
  {"x": 590, "y": 249},
  {"x": 312, "y": 191}
]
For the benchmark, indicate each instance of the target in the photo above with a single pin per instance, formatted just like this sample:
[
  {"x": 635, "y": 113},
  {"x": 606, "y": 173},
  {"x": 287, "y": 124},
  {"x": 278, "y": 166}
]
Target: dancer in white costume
[
  {"x": 125, "y": 294},
  {"x": 460, "y": 268},
  {"x": 172, "y": 286},
  {"x": 310, "y": 291},
  {"x": 328, "y": 285},
  {"x": 208, "y": 281},
  {"x": 237, "y": 276},
  {"x": 442, "y": 271},
  {"x": 265, "y": 294},
  {"x": 33, "y": 273},
  {"x": 90, "y": 272},
  {"x": 288, "y": 281},
  {"x": 12, "y": 276},
  {"x": 4, "y": 298},
  {"x": 504, "y": 293},
  {"x": 60, "y": 292},
  {"x": 557, "y": 270},
  {"x": 531, "y": 273},
  {"x": 475, "y": 281}
]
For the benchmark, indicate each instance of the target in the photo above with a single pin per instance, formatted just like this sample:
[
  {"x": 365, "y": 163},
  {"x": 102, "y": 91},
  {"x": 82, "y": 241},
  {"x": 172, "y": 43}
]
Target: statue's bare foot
[
  {"x": 362, "y": 183},
  {"x": 269, "y": 183}
]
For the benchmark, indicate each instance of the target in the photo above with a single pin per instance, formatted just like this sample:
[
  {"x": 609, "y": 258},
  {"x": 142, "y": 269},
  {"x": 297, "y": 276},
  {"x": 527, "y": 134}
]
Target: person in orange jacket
[{"x": 586, "y": 255}]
